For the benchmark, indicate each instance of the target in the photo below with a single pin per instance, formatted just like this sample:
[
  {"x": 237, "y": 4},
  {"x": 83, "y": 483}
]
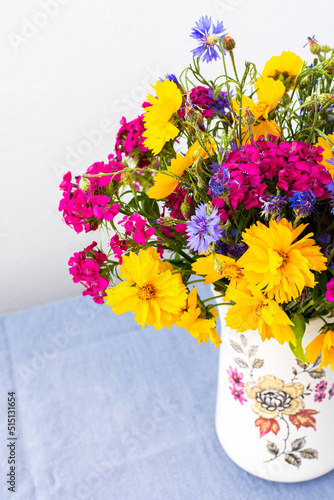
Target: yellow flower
[
  {"x": 288, "y": 64},
  {"x": 201, "y": 328},
  {"x": 277, "y": 263},
  {"x": 150, "y": 290},
  {"x": 159, "y": 127},
  {"x": 167, "y": 181},
  {"x": 205, "y": 266},
  {"x": 323, "y": 343},
  {"x": 269, "y": 92},
  {"x": 327, "y": 153},
  {"x": 272, "y": 397},
  {"x": 252, "y": 310}
]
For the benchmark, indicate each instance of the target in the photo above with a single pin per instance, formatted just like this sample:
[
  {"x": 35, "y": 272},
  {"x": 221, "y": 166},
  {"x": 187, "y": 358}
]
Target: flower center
[
  {"x": 261, "y": 107},
  {"x": 146, "y": 292},
  {"x": 212, "y": 39},
  {"x": 258, "y": 309},
  {"x": 273, "y": 399},
  {"x": 284, "y": 257},
  {"x": 232, "y": 272}
]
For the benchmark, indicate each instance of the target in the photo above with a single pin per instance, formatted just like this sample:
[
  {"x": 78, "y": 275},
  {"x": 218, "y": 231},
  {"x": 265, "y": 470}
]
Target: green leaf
[{"x": 298, "y": 330}]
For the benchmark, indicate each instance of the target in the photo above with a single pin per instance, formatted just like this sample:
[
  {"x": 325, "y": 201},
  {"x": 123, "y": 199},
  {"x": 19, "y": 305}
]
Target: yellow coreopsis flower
[
  {"x": 150, "y": 290},
  {"x": 269, "y": 92},
  {"x": 201, "y": 328},
  {"x": 166, "y": 182},
  {"x": 158, "y": 118},
  {"x": 253, "y": 310},
  {"x": 288, "y": 64},
  {"x": 205, "y": 266},
  {"x": 327, "y": 153},
  {"x": 277, "y": 263},
  {"x": 324, "y": 344}
]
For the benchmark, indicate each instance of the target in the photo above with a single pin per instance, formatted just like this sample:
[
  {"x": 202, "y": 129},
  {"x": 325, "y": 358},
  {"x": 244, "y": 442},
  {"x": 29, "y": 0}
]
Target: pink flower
[
  {"x": 330, "y": 291},
  {"x": 235, "y": 377},
  {"x": 319, "y": 396},
  {"x": 238, "y": 394},
  {"x": 85, "y": 268},
  {"x": 85, "y": 210},
  {"x": 118, "y": 246},
  {"x": 136, "y": 224},
  {"x": 130, "y": 141},
  {"x": 321, "y": 386}
]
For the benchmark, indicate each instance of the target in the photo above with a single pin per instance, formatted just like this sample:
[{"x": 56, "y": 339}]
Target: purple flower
[
  {"x": 322, "y": 386},
  {"x": 171, "y": 77},
  {"x": 219, "y": 182},
  {"x": 319, "y": 396},
  {"x": 207, "y": 34},
  {"x": 303, "y": 202},
  {"x": 203, "y": 229},
  {"x": 272, "y": 205},
  {"x": 331, "y": 392}
]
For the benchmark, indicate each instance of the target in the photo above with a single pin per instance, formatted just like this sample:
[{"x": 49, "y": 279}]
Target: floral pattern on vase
[{"x": 278, "y": 404}]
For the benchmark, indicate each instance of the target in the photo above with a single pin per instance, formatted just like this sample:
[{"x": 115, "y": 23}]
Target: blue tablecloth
[{"x": 106, "y": 411}]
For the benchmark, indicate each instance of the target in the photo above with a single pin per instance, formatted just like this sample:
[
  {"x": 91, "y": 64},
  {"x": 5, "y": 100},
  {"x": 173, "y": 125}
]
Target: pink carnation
[
  {"x": 135, "y": 225},
  {"x": 84, "y": 210},
  {"x": 85, "y": 268},
  {"x": 330, "y": 291},
  {"x": 292, "y": 166},
  {"x": 130, "y": 141}
]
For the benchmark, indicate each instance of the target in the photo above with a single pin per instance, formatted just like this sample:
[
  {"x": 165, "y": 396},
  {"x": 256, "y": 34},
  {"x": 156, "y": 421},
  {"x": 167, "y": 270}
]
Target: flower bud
[
  {"x": 304, "y": 82},
  {"x": 326, "y": 98},
  {"x": 84, "y": 184},
  {"x": 329, "y": 66},
  {"x": 325, "y": 49},
  {"x": 248, "y": 119},
  {"x": 228, "y": 43},
  {"x": 315, "y": 48},
  {"x": 218, "y": 267},
  {"x": 194, "y": 116},
  {"x": 309, "y": 103},
  {"x": 286, "y": 99},
  {"x": 185, "y": 208}
]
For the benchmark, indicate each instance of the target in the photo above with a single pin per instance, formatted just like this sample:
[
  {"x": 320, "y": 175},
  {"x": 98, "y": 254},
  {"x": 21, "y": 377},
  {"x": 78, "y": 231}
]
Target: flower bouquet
[
  {"x": 228, "y": 182},
  {"x": 227, "y": 179}
]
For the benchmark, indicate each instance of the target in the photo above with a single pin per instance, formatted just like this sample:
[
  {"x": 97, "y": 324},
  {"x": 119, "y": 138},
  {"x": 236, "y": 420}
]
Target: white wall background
[{"x": 69, "y": 70}]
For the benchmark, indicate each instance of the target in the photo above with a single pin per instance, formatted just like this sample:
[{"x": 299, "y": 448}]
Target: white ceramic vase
[{"x": 274, "y": 414}]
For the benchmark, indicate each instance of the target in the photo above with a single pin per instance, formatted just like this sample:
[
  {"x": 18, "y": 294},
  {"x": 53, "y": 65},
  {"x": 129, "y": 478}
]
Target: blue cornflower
[
  {"x": 171, "y": 77},
  {"x": 218, "y": 183},
  {"x": 203, "y": 229},
  {"x": 208, "y": 35},
  {"x": 303, "y": 202},
  {"x": 221, "y": 104},
  {"x": 272, "y": 205}
]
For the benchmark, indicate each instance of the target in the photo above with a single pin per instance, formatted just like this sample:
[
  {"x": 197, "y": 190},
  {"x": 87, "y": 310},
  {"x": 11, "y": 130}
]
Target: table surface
[{"x": 107, "y": 411}]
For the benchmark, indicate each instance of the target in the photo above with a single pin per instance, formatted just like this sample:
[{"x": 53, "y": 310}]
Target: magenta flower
[
  {"x": 322, "y": 386},
  {"x": 85, "y": 210},
  {"x": 85, "y": 268},
  {"x": 238, "y": 394},
  {"x": 331, "y": 392},
  {"x": 330, "y": 291},
  {"x": 319, "y": 396},
  {"x": 234, "y": 377},
  {"x": 136, "y": 224},
  {"x": 130, "y": 141},
  {"x": 118, "y": 247}
]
